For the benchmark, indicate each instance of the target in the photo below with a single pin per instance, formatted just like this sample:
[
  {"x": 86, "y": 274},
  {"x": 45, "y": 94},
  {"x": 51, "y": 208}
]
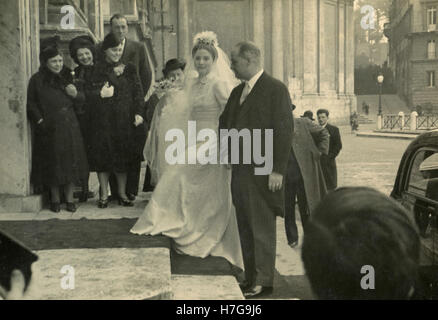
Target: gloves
[{"x": 107, "y": 91}]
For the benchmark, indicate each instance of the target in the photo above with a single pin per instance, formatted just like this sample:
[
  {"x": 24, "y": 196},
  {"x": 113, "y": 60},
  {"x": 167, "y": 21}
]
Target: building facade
[
  {"x": 308, "y": 44},
  {"x": 413, "y": 35}
]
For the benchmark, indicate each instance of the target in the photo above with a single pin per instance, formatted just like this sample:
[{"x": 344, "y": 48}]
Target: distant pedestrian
[
  {"x": 365, "y": 108},
  {"x": 354, "y": 122},
  {"x": 328, "y": 162}
]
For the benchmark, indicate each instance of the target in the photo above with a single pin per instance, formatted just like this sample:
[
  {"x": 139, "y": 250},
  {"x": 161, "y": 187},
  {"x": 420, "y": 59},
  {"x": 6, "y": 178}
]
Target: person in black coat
[
  {"x": 82, "y": 51},
  {"x": 134, "y": 52},
  {"x": 116, "y": 96},
  {"x": 58, "y": 158},
  {"x": 328, "y": 162},
  {"x": 262, "y": 102}
]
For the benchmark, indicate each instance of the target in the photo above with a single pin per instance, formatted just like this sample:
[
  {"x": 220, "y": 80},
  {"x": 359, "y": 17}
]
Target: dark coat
[
  {"x": 268, "y": 106},
  {"x": 113, "y": 147},
  {"x": 328, "y": 162},
  {"x": 135, "y": 53},
  {"x": 58, "y": 154},
  {"x": 309, "y": 142},
  {"x": 82, "y": 107}
]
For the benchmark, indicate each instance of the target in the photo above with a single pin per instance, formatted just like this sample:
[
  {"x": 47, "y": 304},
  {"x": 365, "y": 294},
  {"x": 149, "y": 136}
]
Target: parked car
[{"x": 416, "y": 188}]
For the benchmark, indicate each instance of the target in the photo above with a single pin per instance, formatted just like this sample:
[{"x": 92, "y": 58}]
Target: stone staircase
[
  {"x": 363, "y": 119},
  {"x": 155, "y": 273}
]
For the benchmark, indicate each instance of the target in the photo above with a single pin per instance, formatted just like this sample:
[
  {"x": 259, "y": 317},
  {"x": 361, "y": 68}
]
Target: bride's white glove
[{"x": 107, "y": 91}]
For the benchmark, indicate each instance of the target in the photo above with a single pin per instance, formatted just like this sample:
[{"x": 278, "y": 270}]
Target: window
[
  {"x": 431, "y": 19},
  {"x": 431, "y": 49},
  {"x": 423, "y": 178},
  {"x": 431, "y": 79},
  {"x": 125, "y": 7}
]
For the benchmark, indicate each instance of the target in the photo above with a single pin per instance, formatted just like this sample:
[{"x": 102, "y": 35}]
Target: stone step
[
  {"x": 103, "y": 274},
  {"x": 197, "y": 287}
]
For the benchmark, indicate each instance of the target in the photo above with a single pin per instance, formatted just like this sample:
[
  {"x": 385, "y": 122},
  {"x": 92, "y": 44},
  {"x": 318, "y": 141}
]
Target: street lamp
[{"x": 380, "y": 79}]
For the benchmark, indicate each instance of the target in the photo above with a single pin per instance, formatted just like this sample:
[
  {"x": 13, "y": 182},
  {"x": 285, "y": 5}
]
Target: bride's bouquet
[{"x": 164, "y": 86}]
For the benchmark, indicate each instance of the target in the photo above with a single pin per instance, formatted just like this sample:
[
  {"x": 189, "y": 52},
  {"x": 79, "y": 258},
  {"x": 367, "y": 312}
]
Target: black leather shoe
[
  {"x": 257, "y": 292},
  {"x": 131, "y": 196},
  {"x": 126, "y": 202},
  {"x": 55, "y": 207},
  {"x": 102, "y": 204},
  {"x": 71, "y": 207}
]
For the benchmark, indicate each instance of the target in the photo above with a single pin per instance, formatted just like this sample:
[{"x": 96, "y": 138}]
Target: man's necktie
[{"x": 245, "y": 93}]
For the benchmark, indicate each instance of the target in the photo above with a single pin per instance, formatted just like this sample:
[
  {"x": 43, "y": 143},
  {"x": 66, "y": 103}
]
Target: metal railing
[
  {"x": 427, "y": 122},
  {"x": 411, "y": 121}
]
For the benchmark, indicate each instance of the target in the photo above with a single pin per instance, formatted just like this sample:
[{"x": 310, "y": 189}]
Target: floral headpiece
[{"x": 207, "y": 38}]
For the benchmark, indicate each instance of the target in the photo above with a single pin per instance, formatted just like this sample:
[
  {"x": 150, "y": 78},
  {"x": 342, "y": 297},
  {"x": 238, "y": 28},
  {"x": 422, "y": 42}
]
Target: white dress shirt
[{"x": 249, "y": 85}]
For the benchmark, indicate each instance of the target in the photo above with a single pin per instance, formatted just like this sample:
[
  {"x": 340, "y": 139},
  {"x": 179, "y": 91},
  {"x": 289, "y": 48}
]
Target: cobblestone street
[{"x": 371, "y": 162}]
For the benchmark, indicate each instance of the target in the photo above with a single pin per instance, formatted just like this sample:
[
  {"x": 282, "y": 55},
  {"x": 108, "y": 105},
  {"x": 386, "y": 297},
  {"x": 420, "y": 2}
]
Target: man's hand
[
  {"x": 107, "y": 91},
  {"x": 71, "y": 90},
  {"x": 138, "y": 120},
  {"x": 275, "y": 181}
]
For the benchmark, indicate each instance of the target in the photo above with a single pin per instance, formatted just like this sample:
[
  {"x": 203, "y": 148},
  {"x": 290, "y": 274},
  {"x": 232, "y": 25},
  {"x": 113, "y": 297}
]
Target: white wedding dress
[{"x": 192, "y": 203}]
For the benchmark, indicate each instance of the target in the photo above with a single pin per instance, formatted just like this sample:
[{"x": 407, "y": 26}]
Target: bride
[{"x": 192, "y": 202}]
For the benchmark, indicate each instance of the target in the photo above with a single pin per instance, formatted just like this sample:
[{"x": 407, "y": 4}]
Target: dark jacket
[
  {"x": 328, "y": 162},
  {"x": 268, "y": 106}
]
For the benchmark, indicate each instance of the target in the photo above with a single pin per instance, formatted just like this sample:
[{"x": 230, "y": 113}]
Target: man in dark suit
[
  {"x": 135, "y": 53},
  {"x": 261, "y": 102},
  {"x": 328, "y": 162},
  {"x": 305, "y": 180}
]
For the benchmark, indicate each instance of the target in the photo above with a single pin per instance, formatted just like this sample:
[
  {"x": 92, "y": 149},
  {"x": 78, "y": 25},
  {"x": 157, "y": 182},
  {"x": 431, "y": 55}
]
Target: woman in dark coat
[
  {"x": 83, "y": 53},
  {"x": 116, "y": 99},
  {"x": 59, "y": 157}
]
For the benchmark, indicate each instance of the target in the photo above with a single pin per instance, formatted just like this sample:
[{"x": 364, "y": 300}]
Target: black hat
[
  {"x": 48, "y": 53},
  {"x": 110, "y": 41},
  {"x": 49, "y": 48},
  {"x": 308, "y": 114},
  {"x": 174, "y": 64},
  {"x": 79, "y": 43}
]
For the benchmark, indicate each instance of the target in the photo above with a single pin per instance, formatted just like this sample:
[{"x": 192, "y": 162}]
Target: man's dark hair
[
  {"x": 356, "y": 227},
  {"x": 118, "y": 16},
  {"x": 327, "y": 113}
]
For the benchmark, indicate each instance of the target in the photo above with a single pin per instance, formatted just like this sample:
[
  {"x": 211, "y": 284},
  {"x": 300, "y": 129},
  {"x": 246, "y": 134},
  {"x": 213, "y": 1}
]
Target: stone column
[
  {"x": 183, "y": 30},
  {"x": 19, "y": 54},
  {"x": 277, "y": 40},
  {"x": 349, "y": 54},
  {"x": 413, "y": 124},
  {"x": 259, "y": 26},
  {"x": 310, "y": 48}
]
